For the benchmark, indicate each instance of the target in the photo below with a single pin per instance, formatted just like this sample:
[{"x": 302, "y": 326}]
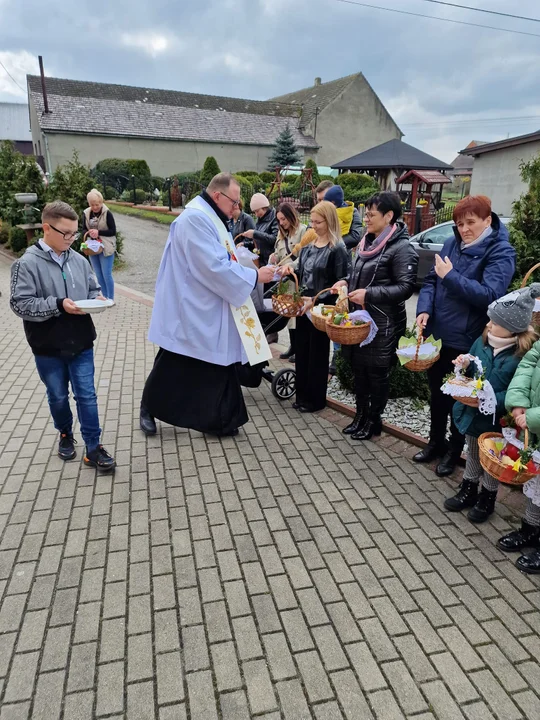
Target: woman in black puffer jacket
[{"x": 382, "y": 279}]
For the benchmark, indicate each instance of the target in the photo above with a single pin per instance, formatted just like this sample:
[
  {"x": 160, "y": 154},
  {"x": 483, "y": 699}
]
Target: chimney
[
  {"x": 318, "y": 81},
  {"x": 43, "y": 88}
]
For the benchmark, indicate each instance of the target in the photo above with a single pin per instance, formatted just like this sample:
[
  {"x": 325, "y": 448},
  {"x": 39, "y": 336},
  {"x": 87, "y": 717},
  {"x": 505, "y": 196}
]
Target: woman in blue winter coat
[
  {"x": 472, "y": 271},
  {"x": 506, "y": 339}
]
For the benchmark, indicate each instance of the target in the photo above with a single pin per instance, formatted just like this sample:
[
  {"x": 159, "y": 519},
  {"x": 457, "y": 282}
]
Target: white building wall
[{"x": 496, "y": 174}]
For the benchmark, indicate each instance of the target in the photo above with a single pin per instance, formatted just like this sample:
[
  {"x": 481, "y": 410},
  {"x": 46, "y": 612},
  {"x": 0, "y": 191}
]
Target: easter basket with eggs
[
  {"x": 474, "y": 391},
  {"x": 506, "y": 457},
  {"x": 417, "y": 354},
  {"x": 90, "y": 246},
  {"x": 287, "y": 303},
  {"x": 356, "y": 328},
  {"x": 319, "y": 314}
]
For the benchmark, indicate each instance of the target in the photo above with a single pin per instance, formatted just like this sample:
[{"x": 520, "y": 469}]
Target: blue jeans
[
  {"x": 103, "y": 268},
  {"x": 57, "y": 373}
]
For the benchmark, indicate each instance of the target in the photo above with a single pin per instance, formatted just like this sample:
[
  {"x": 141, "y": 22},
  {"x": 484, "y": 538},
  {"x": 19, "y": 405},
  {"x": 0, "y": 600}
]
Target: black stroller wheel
[{"x": 284, "y": 384}]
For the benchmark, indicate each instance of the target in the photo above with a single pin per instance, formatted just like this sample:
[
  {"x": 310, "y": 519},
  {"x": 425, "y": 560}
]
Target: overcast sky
[{"x": 445, "y": 84}]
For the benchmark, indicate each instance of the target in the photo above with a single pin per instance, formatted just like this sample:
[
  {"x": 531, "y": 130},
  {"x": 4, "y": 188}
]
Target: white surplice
[{"x": 196, "y": 284}]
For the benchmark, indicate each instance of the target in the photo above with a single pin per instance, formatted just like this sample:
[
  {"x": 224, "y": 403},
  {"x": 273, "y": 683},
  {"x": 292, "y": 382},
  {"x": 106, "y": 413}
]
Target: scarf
[
  {"x": 499, "y": 344},
  {"x": 486, "y": 233},
  {"x": 378, "y": 244}
]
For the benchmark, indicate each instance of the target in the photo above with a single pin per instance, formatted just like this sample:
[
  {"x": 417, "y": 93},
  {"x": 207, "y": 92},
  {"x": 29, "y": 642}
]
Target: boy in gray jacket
[{"x": 45, "y": 282}]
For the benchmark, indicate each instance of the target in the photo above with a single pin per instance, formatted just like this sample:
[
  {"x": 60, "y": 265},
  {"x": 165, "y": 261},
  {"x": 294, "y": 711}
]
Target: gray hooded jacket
[{"x": 39, "y": 285}]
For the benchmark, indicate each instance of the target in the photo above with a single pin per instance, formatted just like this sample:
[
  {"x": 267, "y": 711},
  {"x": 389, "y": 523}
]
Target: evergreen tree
[
  {"x": 525, "y": 225},
  {"x": 210, "y": 169},
  {"x": 310, "y": 163},
  {"x": 285, "y": 151},
  {"x": 71, "y": 183},
  {"x": 18, "y": 173}
]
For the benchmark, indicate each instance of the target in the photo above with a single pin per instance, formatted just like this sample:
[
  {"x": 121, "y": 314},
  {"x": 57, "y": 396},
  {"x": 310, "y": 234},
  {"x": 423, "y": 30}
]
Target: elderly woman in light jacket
[
  {"x": 291, "y": 232},
  {"x": 98, "y": 222}
]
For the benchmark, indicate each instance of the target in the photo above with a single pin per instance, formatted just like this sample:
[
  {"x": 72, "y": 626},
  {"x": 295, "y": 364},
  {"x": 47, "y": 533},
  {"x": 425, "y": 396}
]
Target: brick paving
[{"x": 286, "y": 573}]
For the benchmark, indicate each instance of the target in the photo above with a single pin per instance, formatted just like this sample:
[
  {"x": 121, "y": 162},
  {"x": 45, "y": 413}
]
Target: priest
[{"x": 203, "y": 320}]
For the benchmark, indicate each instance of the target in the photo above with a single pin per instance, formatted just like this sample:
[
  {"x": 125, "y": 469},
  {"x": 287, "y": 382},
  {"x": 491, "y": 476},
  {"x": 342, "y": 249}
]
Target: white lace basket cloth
[{"x": 487, "y": 401}]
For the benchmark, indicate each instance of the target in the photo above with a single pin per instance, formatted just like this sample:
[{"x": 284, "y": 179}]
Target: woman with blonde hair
[
  {"x": 321, "y": 264},
  {"x": 98, "y": 222}
]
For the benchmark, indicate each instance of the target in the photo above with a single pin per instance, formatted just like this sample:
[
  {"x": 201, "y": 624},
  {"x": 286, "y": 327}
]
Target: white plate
[{"x": 94, "y": 306}]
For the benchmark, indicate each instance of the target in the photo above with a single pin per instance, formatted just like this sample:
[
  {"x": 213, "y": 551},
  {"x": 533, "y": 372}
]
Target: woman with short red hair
[{"x": 474, "y": 268}]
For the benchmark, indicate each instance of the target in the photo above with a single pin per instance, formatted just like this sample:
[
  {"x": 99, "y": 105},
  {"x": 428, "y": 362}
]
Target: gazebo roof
[
  {"x": 392, "y": 154},
  {"x": 430, "y": 177}
]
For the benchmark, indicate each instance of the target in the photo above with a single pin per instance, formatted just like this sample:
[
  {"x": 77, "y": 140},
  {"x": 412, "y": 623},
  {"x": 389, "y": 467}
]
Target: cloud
[
  {"x": 17, "y": 64},
  {"x": 152, "y": 43},
  {"x": 444, "y": 84}
]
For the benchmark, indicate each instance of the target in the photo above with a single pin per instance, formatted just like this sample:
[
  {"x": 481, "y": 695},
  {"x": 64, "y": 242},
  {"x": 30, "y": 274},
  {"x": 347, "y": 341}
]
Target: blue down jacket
[{"x": 457, "y": 306}]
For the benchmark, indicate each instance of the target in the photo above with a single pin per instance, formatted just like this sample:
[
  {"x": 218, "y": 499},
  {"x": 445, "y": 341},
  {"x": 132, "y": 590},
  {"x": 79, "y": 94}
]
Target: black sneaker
[
  {"x": 66, "y": 447},
  {"x": 99, "y": 458}
]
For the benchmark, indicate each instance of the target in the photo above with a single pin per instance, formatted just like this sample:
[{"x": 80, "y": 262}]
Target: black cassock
[{"x": 216, "y": 407}]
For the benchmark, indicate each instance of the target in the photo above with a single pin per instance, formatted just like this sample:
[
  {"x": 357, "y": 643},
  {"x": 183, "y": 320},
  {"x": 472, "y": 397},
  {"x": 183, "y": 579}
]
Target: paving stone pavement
[{"x": 286, "y": 573}]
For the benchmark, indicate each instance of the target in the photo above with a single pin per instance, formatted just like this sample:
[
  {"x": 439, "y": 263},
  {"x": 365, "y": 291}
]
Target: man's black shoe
[
  {"x": 66, "y": 447},
  {"x": 147, "y": 422},
  {"x": 447, "y": 465},
  {"x": 99, "y": 458},
  {"x": 429, "y": 453}
]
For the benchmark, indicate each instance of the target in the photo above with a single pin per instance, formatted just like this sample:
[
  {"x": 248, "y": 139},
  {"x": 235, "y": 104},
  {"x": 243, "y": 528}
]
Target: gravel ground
[
  {"x": 143, "y": 248},
  {"x": 403, "y": 412}
]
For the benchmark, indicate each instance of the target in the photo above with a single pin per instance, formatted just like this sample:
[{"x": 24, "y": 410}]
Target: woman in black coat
[{"x": 382, "y": 279}]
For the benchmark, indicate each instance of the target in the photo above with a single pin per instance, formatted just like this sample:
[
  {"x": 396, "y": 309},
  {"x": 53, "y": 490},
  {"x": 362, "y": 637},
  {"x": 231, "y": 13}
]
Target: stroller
[{"x": 283, "y": 382}]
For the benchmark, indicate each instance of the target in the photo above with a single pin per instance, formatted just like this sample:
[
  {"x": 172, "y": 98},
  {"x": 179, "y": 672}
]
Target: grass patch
[{"x": 159, "y": 217}]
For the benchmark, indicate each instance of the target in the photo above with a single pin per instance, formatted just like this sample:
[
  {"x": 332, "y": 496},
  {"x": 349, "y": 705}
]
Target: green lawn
[{"x": 159, "y": 217}]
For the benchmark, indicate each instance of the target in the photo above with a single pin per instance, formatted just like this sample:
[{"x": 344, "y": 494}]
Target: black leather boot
[
  {"x": 292, "y": 347},
  {"x": 373, "y": 426},
  {"x": 526, "y": 536},
  {"x": 448, "y": 464},
  {"x": 466, "y": 497},
  {"x": 430, "y": 452},
  {"x": 485, "y": 505},
  {"x": 147, "y": 422},
  {"x": 530, "y": 563},
  {"x": 359, "y": 420}
]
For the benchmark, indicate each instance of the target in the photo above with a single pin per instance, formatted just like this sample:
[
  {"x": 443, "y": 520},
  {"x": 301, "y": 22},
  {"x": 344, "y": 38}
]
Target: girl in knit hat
[{"x": 506, "y": 339}]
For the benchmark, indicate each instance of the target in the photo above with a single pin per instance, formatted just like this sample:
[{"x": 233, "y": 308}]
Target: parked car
[{"x": 430, "y": 242}]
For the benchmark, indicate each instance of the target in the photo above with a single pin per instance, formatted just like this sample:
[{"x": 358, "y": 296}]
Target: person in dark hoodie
[
  {"x": 382, "y": 280},
  {"x": 473, "y": 269},
  {"x": 45, "y": 283}
]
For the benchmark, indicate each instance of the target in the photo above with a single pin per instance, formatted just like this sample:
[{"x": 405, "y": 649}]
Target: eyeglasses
[
  {"x": 370, "y": 215},
  {"x": 235, "y": 203},
  {"x": 66, "y": 235}
]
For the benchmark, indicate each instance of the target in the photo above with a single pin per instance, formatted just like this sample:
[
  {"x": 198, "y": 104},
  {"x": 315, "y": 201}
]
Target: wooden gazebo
[{"x": 421, "y": 191}]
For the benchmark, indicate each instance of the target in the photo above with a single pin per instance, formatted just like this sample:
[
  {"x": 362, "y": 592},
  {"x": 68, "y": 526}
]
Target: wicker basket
[
  {"x": 353, "y": 335},
  {"x": 416, "y": 365},
  {"x": 536, "y": 315},
  {"x": 319, "y": 321},
  {"x": 493, "y": 466},
  {"x": 285, "y": 305},
  {"x": 470, "y": 401},
  {"x": 87, "y": 251}
]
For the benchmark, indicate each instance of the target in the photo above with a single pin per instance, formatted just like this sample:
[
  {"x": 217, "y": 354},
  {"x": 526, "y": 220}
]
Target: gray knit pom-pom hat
[{"x": 514, "y": 311}]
